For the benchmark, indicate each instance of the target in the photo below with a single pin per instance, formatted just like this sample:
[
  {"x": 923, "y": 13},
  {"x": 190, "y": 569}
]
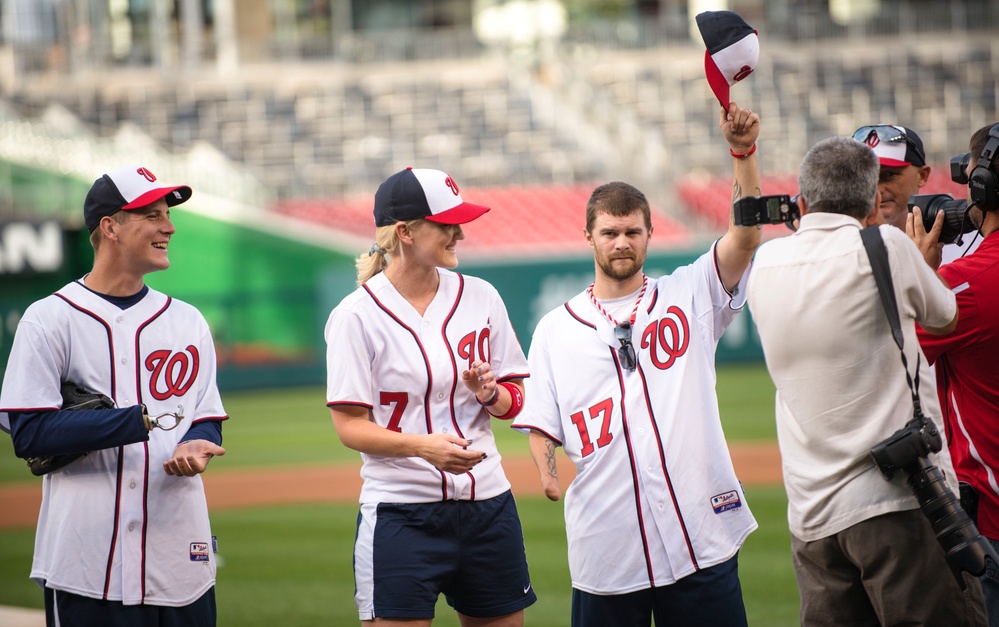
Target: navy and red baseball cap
[
  {"x": 733, "y": 50},
  {"x": 420, "y": 193},
  {"x": 895, "y": 146},
  {"x": 130, "y": 187}
]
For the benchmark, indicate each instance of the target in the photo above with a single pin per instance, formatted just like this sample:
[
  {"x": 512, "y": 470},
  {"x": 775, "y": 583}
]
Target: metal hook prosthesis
[{"x": 163, "y": 421}]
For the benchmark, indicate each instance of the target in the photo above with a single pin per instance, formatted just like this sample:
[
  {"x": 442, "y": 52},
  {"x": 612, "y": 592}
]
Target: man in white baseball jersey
[
  {"x": 622, "y": 376},
  {"x": 123, "y": 536},
  {"x": 420, "y": 360}
]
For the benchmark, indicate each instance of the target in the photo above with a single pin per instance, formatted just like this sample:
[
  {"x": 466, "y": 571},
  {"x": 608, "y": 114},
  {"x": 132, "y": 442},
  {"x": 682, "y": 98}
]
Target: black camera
[
  {"x": 917, "y": 439},
  {"x": 754, "y": 210},
  {"x": 959, "y": 168},
  {"x": 955, "y": 213},
  {"x": 906, "y": 449}
]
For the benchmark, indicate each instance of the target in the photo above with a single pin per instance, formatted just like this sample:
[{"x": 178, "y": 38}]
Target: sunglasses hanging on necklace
[{"x": 622, "y": 330}]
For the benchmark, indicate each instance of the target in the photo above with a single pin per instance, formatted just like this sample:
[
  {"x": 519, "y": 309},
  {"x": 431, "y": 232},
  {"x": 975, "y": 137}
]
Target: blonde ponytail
[{"x": 377, "y": 259}]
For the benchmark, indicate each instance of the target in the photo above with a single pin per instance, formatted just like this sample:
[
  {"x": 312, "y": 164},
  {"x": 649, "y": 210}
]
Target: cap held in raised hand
[{"x": 733, "y": 49}]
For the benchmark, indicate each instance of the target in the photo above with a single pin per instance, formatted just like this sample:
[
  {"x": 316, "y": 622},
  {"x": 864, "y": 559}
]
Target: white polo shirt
[{"x": 841, "y": 386}]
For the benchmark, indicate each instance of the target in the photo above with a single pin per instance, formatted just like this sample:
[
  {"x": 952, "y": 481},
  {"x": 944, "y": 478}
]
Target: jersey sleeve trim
[
  {"x": 511, "y": 377},
  {"x": 203, "y": 419},
  {"x": 523, "y": 426},
  {"x": 349, "y": 404}
]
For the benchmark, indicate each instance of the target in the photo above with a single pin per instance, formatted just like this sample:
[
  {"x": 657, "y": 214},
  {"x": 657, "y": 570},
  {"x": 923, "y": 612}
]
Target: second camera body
[
  {"x": 954, "y": 210},
  {"x": 754, "y": 210}
]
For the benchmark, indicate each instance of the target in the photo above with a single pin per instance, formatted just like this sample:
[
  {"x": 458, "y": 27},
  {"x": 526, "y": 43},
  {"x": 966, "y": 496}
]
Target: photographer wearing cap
[
  {"x": 903, "y": 167},
  {"x": 863, "y": 551},
  {"x": 967, "y": 379},
  {"x": 903, "y": 174}
]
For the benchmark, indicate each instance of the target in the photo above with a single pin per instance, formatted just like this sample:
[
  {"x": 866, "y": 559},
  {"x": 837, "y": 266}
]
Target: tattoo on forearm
[
  {"x": 550, "y": 459},
  {"x": 736, "y": 191}
]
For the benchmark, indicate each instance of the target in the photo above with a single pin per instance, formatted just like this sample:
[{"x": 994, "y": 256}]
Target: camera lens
[
  {"x": 965, "y": 548},
  {"x": 955, "y": 223}
]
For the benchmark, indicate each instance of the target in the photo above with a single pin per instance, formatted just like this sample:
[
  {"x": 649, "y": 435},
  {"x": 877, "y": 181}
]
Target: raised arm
[{"x": 735, "y": 249}]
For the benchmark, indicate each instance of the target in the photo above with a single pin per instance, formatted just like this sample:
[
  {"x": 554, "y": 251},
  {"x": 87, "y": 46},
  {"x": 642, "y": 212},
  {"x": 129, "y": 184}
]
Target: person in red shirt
[{"x": 965, "y": 359}]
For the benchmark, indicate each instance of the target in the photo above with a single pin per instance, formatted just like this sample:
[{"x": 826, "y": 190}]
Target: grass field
[{"x": 290, "y": 565}]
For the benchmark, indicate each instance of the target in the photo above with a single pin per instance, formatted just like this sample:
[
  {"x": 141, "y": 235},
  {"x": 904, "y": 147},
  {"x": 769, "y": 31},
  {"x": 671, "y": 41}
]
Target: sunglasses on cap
[
  {"x": 626, "y": 352},
  {"x": 884, "y": 132}
]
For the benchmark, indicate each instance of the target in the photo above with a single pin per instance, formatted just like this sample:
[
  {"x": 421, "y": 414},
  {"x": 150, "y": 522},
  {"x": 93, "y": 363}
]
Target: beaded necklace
[{"x": 634, "y": 310}]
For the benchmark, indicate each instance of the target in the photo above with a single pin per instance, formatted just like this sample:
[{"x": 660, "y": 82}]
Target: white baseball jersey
[
  {"x": 113, "y": 525},
  {"x": 655, "y": 496},
  {"x": 382, "y": 355}
]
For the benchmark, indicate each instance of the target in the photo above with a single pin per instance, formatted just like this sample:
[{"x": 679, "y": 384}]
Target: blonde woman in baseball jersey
[
  {"x": 420, "y": 360},
  {"x": 123, "y": 536}
]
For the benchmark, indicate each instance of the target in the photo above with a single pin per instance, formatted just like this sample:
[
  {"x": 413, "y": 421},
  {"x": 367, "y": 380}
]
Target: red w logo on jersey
[
  {"x": 177, "y": 370},
  {"x": 671, "y": 334}
]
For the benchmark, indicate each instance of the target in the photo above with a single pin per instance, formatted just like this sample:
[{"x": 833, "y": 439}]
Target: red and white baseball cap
[
  {"x": 895, "y": 146},
  {"x": 419, "y": 193},
  {"x": 130, "y": 187},
  {"x": 733, "y": 50}
]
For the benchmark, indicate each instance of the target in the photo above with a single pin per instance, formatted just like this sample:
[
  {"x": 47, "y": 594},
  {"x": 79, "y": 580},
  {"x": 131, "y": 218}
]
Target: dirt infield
[{"x": 231, "y": 489}]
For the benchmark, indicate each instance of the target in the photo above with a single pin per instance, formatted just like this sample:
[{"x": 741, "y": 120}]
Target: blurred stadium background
[{"x": 284, "y": 115}]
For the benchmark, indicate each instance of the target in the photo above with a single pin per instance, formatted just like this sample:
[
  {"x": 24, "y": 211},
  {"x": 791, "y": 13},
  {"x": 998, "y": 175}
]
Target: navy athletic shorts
[
  {"x": 407, "y": 554},
  {"x": 709, "y": 597}
]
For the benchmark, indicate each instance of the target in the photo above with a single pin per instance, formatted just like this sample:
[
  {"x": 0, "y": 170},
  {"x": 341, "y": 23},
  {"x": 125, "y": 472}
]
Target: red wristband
[
  {"x": 743, "y": 155},
  {"x": 516, "y": 402}
]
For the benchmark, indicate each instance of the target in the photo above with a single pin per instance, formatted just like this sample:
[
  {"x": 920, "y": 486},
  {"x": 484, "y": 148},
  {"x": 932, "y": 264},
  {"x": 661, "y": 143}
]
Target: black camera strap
[{"x": 878, "y": 254}]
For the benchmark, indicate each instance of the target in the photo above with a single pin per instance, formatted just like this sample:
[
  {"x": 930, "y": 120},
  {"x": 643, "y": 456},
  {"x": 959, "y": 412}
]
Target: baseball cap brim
[
  {"x": 892, "y": 163},
  {"x": 174, "y": 196},
  {"x": 718, "y": 83},
  {"x": 460, "y": 214}
]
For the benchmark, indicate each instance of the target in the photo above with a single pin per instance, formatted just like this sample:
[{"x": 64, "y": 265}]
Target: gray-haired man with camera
[{"x": 863, "y": 551}]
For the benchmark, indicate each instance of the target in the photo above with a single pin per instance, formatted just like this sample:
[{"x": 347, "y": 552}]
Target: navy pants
[{"x": 64, "y": 609}]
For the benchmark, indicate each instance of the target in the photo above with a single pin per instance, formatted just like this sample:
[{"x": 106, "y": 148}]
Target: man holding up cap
[
  {"x": 420, "y": 361},
  {"x": 623, "y": 379},
  {"x": 123, "y": 535}
]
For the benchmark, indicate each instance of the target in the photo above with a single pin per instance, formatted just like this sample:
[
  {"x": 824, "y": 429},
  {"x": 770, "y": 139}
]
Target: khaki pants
[{"x": 888, "y": 570}]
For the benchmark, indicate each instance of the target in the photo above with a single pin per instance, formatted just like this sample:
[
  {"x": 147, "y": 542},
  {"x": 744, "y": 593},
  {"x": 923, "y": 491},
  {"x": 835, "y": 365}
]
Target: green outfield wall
[{"x": 267, "y": 296}]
